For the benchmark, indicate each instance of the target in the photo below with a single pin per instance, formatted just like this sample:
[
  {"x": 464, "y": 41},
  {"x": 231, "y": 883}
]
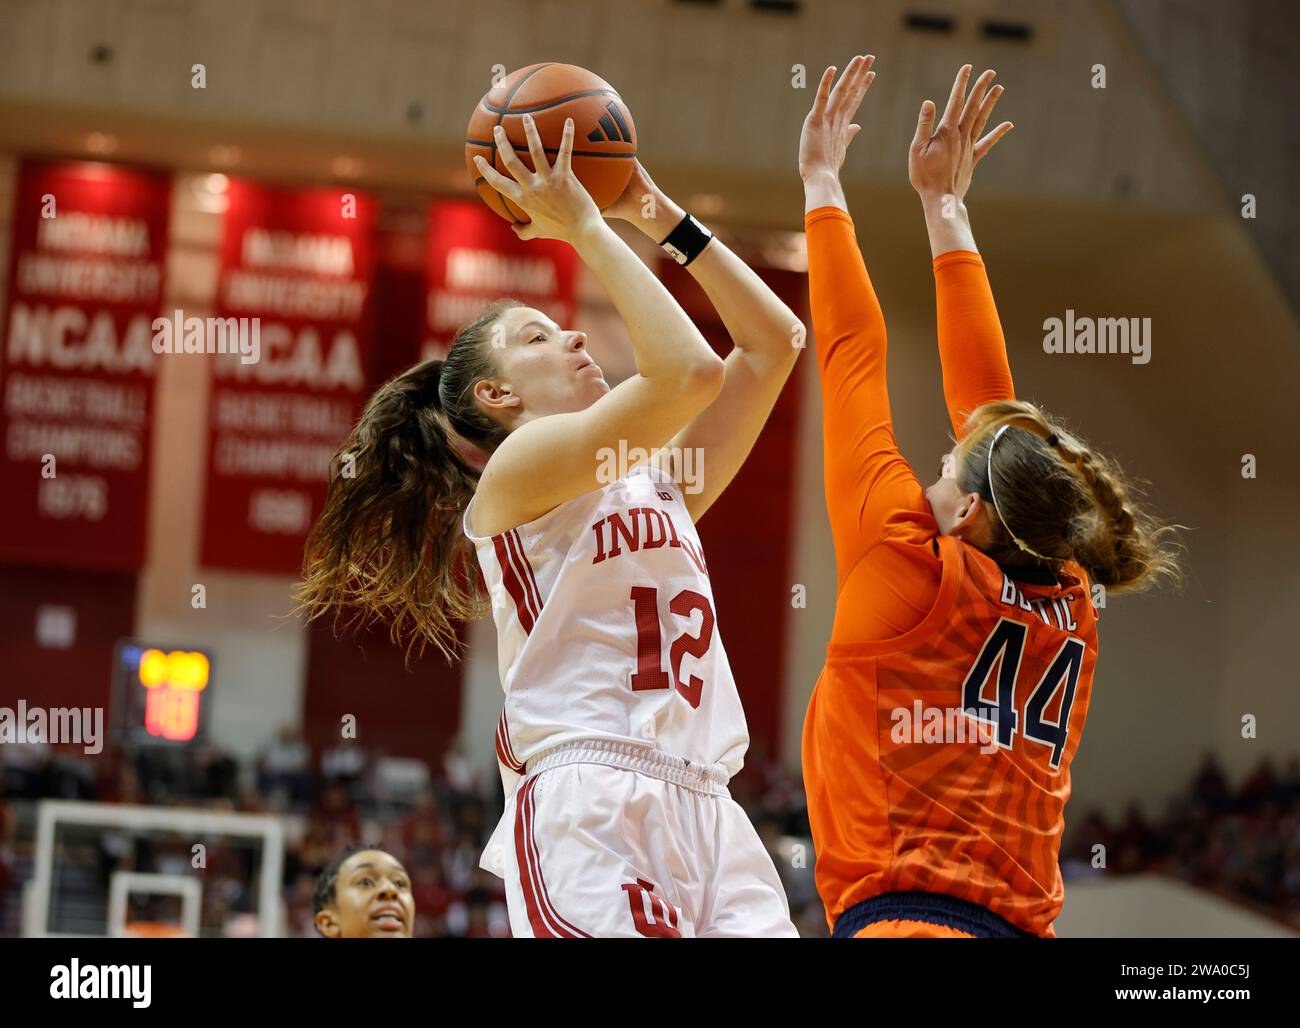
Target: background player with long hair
[
  {"x": 622, "y": 723},
  {"x": 970, "y": 597}
]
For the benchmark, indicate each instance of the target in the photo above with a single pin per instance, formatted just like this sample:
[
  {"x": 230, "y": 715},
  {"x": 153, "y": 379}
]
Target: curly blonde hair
[{"x": 1054, "y": 499}]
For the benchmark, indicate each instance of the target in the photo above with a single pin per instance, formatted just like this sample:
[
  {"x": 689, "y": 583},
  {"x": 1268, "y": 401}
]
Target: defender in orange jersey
[{"x": 938, "y": 740}]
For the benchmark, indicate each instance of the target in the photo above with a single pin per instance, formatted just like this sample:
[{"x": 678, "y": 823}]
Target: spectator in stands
[
  {"x": 336, "y": 806},
  {"x": 300, "y": 914},
  {"x": 1210, "y": 786},
  {"x": 460, "y": 860},
  {"x": 458, "y": 770},
  {"x": 432, "y": 897},
  {"x": 250, "y": 801},
  {"x": 346, "y": 763},
  {"x": 320, "y": 841},
  {"x": 1261, "y": 787},
  {"x": 1289, "y": 786},
  {"x": 33, "y": 773},
  {"x": 214, "y": 774},
  {"x": 424, "y": 831},
  {"x": 285, "y": 764},
  {"x": 127, "y": 788},
  {"x": 8, "y": 831}
]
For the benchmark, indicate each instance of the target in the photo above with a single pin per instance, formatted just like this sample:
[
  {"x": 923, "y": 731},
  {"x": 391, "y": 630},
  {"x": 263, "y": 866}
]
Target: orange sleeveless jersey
[{"x": 907, "y": 791}]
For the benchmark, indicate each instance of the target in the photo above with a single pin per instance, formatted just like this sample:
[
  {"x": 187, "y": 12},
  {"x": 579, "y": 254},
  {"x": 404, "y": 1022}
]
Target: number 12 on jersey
[{"x": 650, "y": 672}]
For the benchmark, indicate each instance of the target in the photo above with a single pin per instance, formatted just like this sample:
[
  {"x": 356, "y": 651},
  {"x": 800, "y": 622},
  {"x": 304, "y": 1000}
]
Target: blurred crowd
[
  {"x": 435, "y": 820},
  {"x": 1242, "y": 843}
]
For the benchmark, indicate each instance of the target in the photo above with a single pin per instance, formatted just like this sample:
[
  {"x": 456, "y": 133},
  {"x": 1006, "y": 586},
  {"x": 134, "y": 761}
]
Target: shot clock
[{"x": 163, "y": 693}]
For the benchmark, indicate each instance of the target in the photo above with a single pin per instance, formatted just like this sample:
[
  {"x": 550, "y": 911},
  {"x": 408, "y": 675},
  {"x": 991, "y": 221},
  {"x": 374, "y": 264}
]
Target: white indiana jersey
[{"x": 606, "y": 629}]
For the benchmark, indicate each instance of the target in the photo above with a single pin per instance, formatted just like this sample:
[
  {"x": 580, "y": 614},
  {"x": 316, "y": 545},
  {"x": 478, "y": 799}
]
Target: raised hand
[
  {"x": 558, "y": 204},
  {"x": 629, "y": 205},
  {"x": 655, "y": 217},
  {"x": 829, "y": 127},
  {"x": 942, "y": 157}
]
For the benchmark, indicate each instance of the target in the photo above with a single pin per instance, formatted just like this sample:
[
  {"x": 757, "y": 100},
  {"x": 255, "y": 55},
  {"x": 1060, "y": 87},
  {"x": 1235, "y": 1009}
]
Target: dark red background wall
[
  {"x": 748, "y": 532},
  {"x": 80, "y": 676}
]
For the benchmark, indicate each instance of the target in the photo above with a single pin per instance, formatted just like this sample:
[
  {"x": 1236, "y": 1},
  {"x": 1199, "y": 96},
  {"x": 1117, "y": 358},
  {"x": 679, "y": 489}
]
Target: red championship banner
[
  {"x": 475, "y": 258},
  {"x": 77, "y": 366},
  {"x": 294, "y": 286}
]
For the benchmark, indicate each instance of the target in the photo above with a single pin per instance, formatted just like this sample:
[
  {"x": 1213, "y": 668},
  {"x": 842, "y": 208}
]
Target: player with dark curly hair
[{"x": 363, "y": 893}]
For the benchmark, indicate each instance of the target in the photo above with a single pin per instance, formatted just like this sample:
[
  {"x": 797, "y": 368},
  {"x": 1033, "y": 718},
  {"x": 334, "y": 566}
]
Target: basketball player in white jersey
[{"x": 622, "y": 724}]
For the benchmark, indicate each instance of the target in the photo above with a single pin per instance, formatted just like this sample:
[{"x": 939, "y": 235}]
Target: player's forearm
[
  {"x": 822, "y": 189},
  {"x": 656, "y": 215},
  {"x": 755, "y": 317},
  {"x": 845, "y": 310},
  {"x": 843, "y": 303},
  {"x": 665, "y": 342},
  {"x": 948, "y": 224},
  {"x": 972, "y": 350}
]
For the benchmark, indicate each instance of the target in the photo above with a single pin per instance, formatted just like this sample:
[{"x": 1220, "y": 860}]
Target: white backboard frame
[{"x": 198, "y": 823}]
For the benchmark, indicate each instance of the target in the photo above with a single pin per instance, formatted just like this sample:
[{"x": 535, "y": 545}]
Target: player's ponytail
[
  {"x": 388, "y": 544},
  {"x": 1053, "y": 499}
]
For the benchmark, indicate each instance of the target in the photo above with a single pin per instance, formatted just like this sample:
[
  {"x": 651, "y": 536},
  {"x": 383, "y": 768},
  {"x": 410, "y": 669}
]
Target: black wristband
[{"x": 687, "y": 240}]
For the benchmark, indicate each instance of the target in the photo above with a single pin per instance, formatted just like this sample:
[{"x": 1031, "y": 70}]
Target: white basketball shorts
[{"x": 609, "y": 840}]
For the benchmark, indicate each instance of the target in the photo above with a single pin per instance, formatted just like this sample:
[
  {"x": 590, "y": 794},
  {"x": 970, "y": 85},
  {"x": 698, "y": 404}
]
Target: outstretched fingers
[
  {"x": 564, "y": 159},
  {"x": 509, "y": 159},
  {"x": 838, "y": 90},
  {"x": 988, "y": 142},
  {"x": 924, "y": 125},
  {"x": 973, "y": 102},
  {"x": 535, "y": 149},
  {"x": 823, "y": 92},
  {"x": 985, "y": 109},
  {"x": 852, "y": 87},
  {"x": 956, "y": 97},
  {"x": 506, "y": 186},
  {"x": 855, "y": 101}
]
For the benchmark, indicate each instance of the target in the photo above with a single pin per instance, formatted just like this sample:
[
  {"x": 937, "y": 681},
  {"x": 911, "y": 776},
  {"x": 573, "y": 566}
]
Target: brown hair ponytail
[
  {"x": 388, "y": 544},
  {"x": 1053, "y": 499}
]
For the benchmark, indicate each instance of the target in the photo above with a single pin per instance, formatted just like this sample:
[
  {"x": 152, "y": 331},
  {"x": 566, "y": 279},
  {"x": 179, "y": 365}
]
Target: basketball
[{"x": 604, "y": 137}]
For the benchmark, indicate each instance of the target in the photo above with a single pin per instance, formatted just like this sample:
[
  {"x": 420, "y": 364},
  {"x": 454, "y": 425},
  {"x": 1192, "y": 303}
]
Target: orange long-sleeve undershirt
[
  {"x": 972, "y": 350},
  {"x": 887, "y": 565}
]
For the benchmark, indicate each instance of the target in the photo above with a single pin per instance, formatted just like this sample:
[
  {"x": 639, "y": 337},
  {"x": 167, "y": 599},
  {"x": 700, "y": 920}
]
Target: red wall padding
[
  {"x": 413, "y": 713},
  {"x": 748, "y": 533},
  {"x": 80, "y": 676}
]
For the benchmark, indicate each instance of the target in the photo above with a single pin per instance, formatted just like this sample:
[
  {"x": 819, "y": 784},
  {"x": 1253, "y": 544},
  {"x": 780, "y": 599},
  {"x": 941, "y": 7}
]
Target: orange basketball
[{"x": 604, "y": 138}]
